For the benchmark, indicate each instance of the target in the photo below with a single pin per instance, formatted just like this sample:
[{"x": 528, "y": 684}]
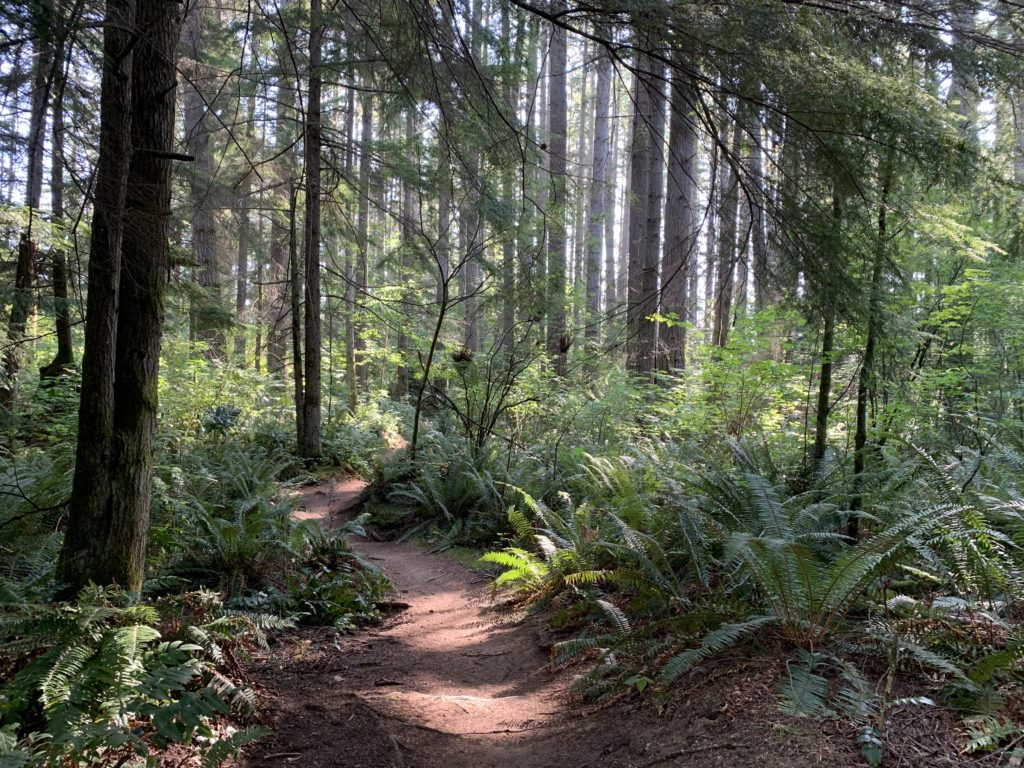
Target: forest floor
[{"x": 452, "y": 681}]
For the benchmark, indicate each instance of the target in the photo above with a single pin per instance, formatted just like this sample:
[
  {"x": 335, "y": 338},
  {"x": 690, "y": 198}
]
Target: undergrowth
[{"x": 112, "y": 679}]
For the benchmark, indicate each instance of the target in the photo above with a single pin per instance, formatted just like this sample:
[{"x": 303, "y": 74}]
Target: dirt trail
[{"x": 450, "y": 682}]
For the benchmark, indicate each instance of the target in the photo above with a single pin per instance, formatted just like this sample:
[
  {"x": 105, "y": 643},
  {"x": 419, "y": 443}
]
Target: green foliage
[
  {"x": 99, "y": 679},
  {"x": 333, "y": 586},
  {"x": 458, "y": 491},
  {"x": 221, "y": 519}
]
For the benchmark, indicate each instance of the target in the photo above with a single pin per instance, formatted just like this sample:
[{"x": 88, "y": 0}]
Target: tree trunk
[
  {"x": 295, "y": 302},
  {"x": 599, "y": 174},
  {"x": 144, "y": 271},
  {"x": 557, "y": 338},
  {"x": 279, "y": 319},
  {"x": 724, "y": 285},
  {"x": 646, "y": 181},
  {"x": 763, "y": 293},
  {"x": 647, "y": 339},
  {"x": 470, "y": 276},
  {"x": 83, "y": 553},
  {"x": 410, "y": 215},
  {"x": 824, "y": 408},
  {"x": 65, "y": 356},
  {"x": 362, "y": 276},
  {"x": 611, "y": 280},
  {"x": 641, "y": 164},
  {"x": 582, "y": 156},
  {"x": 680, "y": 219},
  {"x": 109, "y": 507},
  {"x": 242, "y": 203},
  {"x": 201, "y": 184},
  {"x": 310, "y": 447}
]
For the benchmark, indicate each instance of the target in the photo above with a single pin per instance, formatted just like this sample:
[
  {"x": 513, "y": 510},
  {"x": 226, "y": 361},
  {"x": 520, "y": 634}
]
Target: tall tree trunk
[
  {"x": 242, "y": 203},
  {"x": 143, "y": 280},
  {"x": 83, "y": 553},
  {"x": 725, "y": 283},
  {"x": 65, "y": 356},
  {"x": 680, "y": 218},
  {"x": 410, "y": 215},
  {"x": 823, "y": 409},
  {"x": 257, "y": 355},
  {"x": 351, "y": 384},
  {"x": 295, "y": 301},
  {"x": 611, "y": 280},
  {"x": 763, "y": 293},
  {"x": 279, "y": 317},
  {"x": 646, "y": 182},
  {"x": 472, "y": 240},
  {"x": 310, "y": 447},
  {"x": 109, "y": 507},
  {"x": 595, "y": 243},
  {"x": 711, "y": 215},
  {"x": 557, "y": 338},
  {"x": 362, "y": 276},
  {"x": 625, "y": 227},
  {"x": 641, "y": 164},
  {"x": 647, "y": 339},
  {"x": 201, "y": 182},
  {"x": 582, "y": 158}
]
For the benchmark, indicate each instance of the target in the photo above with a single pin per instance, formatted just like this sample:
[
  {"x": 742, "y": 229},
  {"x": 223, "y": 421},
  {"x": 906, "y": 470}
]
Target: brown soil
[{"x": 449, "y": 682}]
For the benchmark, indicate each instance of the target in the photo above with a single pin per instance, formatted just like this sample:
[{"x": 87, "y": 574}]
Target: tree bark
[
  {"x": 641, "y": 163},
  {"x": 65, "y": 356},
  {"x": 143, "y": 279},
  {"x": 279, "y": 319},
  {"x": 557, "y": 338},
  {"x": 310, "y": 447},
  {"x": 109, "y": 508},
  {"x": 866, "y": 378},
  {"x": 295, "y": 305},
  {"x": 362, "y": 276},
  {"x": 824, "y": 409},
  {"x": 201, "y": 184},
  {"x": 611, "y": 279},
  {"x": 595, "y": 244},
  {"x": 680, "y": 219},
  {"x": 725, "y": 282},
  {"x": 83, "y": 553},
  {"x": 242, "y": 202}
]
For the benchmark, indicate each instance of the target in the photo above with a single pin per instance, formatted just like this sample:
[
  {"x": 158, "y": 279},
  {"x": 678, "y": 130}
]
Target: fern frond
[
  {"x": 713, "y": 643},
  {"x": 231, "y": 745}
]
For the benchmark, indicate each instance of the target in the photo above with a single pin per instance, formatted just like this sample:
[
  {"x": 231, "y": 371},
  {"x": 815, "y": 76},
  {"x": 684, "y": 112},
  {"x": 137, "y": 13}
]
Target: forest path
[{"x": 451, "y": 682}]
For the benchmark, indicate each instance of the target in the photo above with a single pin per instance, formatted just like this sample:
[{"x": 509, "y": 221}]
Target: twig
[{"x": 689, "y": 751}]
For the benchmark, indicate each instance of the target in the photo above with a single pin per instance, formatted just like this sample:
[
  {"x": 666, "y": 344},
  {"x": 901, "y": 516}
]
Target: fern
[
  {"x": 713, "y": 643},
  {"x": 229, "y": 746},
  {"x": 524, "y": 570},
  {"x": 98, "y": 666},
  {"x": 803, "y": 690}
]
